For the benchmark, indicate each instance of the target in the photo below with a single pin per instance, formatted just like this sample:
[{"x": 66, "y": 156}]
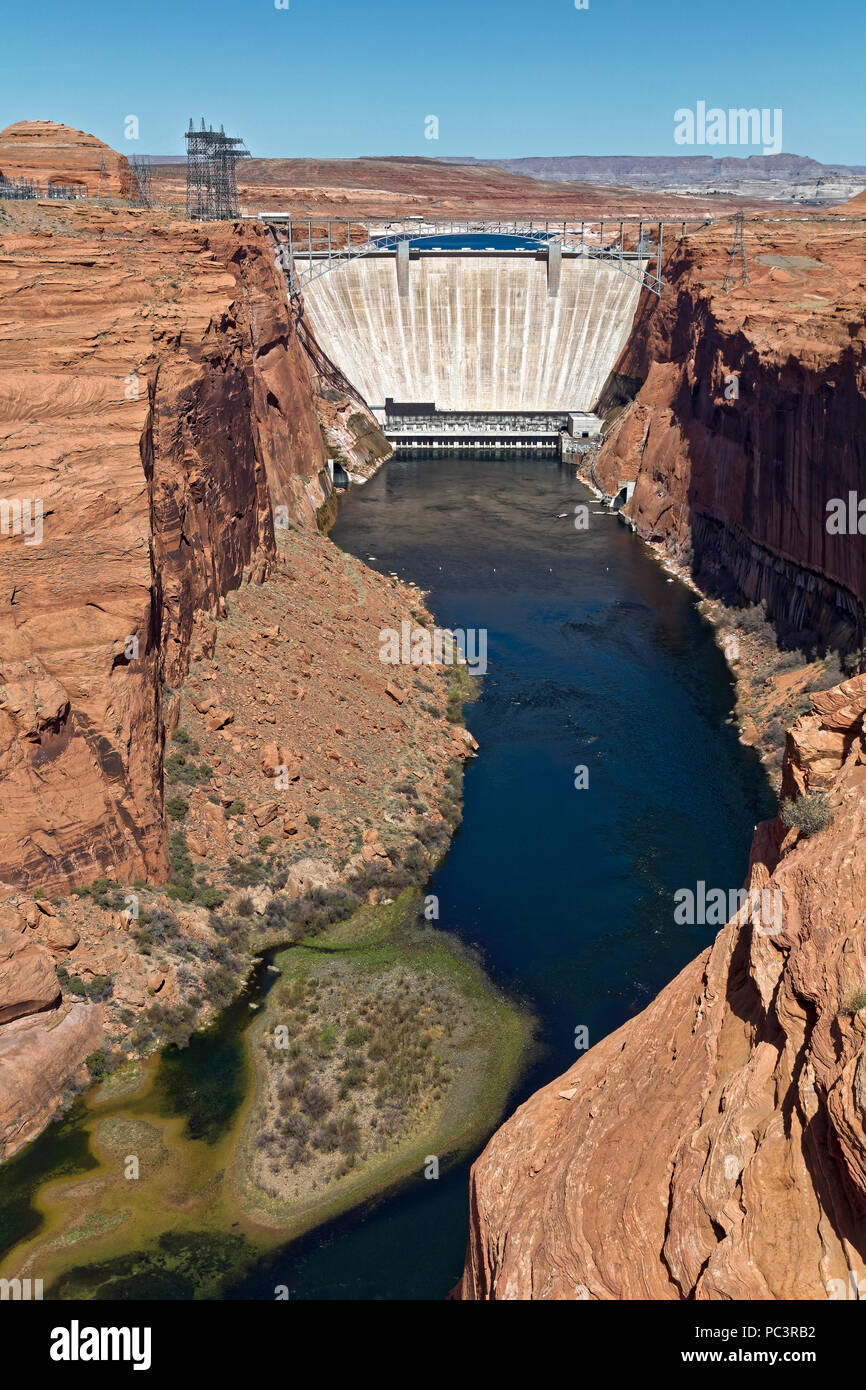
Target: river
[{"x": 598, "y": 660}]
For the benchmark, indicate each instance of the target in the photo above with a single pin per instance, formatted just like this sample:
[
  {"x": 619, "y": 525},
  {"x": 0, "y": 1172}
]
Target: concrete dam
[
  {"x": 483, "y": 324},
  {"x": 476, "y": 332}
]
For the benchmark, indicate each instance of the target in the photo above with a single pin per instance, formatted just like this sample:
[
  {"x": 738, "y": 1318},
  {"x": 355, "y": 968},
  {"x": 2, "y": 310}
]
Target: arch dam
[{"x": 486, "y": 333}]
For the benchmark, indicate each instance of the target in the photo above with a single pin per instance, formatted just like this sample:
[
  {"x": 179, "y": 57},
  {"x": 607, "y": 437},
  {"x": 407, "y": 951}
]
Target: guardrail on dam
[{"x": 501, "y": 316}]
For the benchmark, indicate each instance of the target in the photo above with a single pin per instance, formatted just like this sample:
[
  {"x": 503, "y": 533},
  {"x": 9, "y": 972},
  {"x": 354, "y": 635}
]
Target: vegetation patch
[
  {"x": 808, "y": 813},
  {"x": 382, "y": 1044}
]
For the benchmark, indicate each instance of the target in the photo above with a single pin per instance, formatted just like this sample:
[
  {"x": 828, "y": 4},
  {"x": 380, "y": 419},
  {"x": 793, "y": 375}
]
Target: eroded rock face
[
  {"x": 743, "y": 414},
  {"x": 53, "y": 153},
  {"x": 715, "y": 1145},
  {"x": 37, "y": 1055},
  {"x": 28, "y": 980},
  {"x": 165, "y": 413}
]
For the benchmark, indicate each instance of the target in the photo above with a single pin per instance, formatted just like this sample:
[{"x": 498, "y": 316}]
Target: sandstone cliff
[
  {"x": 165, "y": 422},
  {"x": 51, "y": 153},
  {"x": 714, "y": 1146},
  {"x": 740, "y": 415},
  {"x": 155, "y": 406}
]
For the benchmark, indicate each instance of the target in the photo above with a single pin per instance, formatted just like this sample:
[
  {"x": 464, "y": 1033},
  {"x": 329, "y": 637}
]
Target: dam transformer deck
[{"x": 422, "y": 429}]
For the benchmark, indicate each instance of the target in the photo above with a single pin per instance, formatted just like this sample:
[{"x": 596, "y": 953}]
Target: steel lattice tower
[
  {"x": 211, "y": 179},
  {"x": 140, "y": 175},
  {"x": 101, "y": 177},
  {"x": 738, "y": 269}
]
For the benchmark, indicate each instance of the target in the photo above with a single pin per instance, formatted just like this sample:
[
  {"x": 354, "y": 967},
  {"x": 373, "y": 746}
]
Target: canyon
[
  {"x": 175, "y": 414},
  {"x": 169, "y": 412}
]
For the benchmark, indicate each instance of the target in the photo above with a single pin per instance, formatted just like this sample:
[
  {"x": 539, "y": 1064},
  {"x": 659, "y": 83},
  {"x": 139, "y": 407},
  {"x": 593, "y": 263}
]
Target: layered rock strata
[
  {"x": 741, "y": 415},
  {"x": 156, "y": 410}
]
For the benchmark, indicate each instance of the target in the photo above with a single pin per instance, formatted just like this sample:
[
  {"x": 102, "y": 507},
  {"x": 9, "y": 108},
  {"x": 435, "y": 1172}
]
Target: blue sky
[{"x": 504, "y": 77}]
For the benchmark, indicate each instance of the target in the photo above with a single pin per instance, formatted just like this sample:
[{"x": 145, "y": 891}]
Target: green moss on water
[
  {"x": 191, "y": 1223},
  {"x": 62, "y": 1151},
  {"x": 449, "y": 1119},
  {"x": 179, "y": 1265}
]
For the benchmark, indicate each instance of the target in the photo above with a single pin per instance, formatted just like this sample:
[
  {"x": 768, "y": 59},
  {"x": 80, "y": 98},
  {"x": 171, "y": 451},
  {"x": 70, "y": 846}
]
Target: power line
[{"x": 738, "y": 269}]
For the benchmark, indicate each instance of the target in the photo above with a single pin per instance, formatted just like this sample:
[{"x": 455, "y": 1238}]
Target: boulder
[
  {"x": 310, "y": 874},
  {"x": 11, "y": 918},
  {"x": 60, "y": 936},
  {"x": 28, "y": 980}
]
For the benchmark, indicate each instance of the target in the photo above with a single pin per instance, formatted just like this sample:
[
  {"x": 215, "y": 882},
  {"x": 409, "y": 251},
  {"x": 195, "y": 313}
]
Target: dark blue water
[
  {"x": 471, "y": 241},
  {"x": 597, "y": 659}
]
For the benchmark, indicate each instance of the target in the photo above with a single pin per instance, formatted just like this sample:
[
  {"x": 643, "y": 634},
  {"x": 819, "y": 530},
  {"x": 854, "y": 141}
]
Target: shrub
[
  {"x": 210, "y": 896},
  {"x": 246, "y": 873},
  {"x": 179, "y": 768},
  {"x": 774, "y": 734},
  {"x": 181, "y": 885},
  {"x": 454, "y": 712},
  {"x": 100, "y": 988},
  {"x": 182, "y": 737},
  {"x": 237, "y": 808},
  {"x": 105, "y": 892},
  {"x": 857, "y": 1001},
  {"x": 177, "y": 808},
  {"x": 315, "y": 1102},
  {"x": 96, "y": 1065},
  {"x": 808, "y": 813}
]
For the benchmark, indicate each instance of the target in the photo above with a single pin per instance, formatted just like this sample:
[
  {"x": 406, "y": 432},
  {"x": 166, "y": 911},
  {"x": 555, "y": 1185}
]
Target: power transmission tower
[
  {"x": 738, "y": 269},
  {"x": 140, "y": 177},
  {"x": 211, "y": 178},
  {"x": 101, "y": 177}
]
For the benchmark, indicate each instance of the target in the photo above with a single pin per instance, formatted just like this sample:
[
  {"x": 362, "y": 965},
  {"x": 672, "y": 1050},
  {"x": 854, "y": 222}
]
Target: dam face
[{"x": 474, "y": 332}]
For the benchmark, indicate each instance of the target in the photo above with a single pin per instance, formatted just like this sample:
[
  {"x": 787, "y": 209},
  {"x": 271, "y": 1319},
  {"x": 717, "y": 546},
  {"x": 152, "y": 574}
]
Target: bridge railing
[{"x": 314, "y": 247}]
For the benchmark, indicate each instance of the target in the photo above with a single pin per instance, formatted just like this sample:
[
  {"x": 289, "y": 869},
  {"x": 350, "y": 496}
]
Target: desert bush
[
  {"x": 857, "y": 1000},
  {"x": 246, "y": 873},
  {"x": 315, "y": 1102},
  {"x": 181, "y": 885},
  {"x": 808, "y": 813}
]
